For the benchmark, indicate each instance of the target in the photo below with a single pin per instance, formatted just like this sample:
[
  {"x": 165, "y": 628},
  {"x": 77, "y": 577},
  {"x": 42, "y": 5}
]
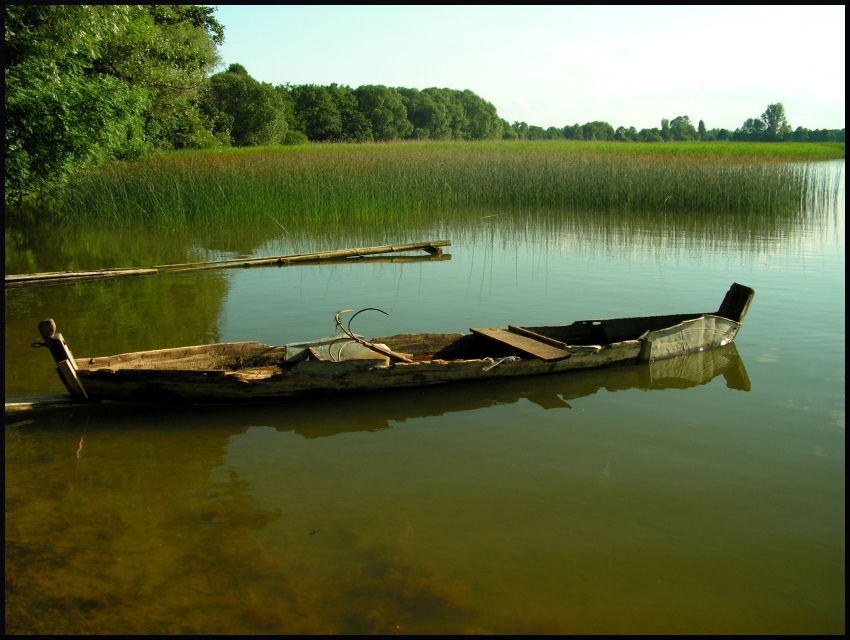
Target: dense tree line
[
  {"x": 772, "y": 126},
  {"x": 90, "y": 83},
  {"x": 244, "y": 112}
]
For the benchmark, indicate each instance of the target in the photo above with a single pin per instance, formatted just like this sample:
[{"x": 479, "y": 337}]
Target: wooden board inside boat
[{"x": 524, "y": 343}]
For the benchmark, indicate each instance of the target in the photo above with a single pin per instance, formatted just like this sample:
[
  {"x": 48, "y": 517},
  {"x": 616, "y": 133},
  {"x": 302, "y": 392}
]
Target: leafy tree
[
  {"x": 629, "y": 134},
  {"x": 776, "y": 125},
  {"x": 426, "y": 113},
  {"x": 57, "y": 119},
  {"x": 597, "y": 130},
  {"x": 355, "y": 127},
  {"x": 316, "y": 113},
  {"x": 441, "y": 118},
  {"x": 508, "y": 132},
  {"x": 682, "y": 129},
  {"x": 801, "y": 134},
  {"x": 169, "y": 51},
  {"x": 89, "y": 83},
  {"x": 752, "y": 130},
  {"x": 483, "y": 122},
  {"x": 536, "y": 133},
  {"x": 384, "y": 109},
  {"x": 650, "y": 135},
  {"x": 521, "y": 129},
  {"x": 248, "y": 111},
  {"x": 572, "y": 132},
  {"x": 456, "y": 117}
]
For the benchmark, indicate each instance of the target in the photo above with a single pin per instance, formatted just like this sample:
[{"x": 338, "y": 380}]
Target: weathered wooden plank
[
  {"x": 68, "y": 374},
  {"x": 71, "y": 275},
  {"x": 433, "y": 248},
  {"x": 523, "y": 343},
  {"x": 536, "y": 336},
  {"x": 736, "y": 303}
]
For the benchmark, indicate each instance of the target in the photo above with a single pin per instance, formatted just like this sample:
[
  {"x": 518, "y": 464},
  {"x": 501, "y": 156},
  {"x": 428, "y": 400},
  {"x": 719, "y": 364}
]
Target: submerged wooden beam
[
  {"x": 22, "y": 409},
  {"x": 433, "y": 248},
  {"x": 66, "y": 276}
]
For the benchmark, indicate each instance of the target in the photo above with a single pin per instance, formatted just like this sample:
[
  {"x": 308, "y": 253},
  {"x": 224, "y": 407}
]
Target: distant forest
[{"x": 85, "y": 84}]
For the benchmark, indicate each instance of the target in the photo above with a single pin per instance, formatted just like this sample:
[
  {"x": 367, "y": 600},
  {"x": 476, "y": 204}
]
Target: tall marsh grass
[{"x": 323, "y": 186}]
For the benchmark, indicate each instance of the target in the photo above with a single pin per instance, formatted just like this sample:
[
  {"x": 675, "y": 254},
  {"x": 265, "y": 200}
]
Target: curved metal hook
[
  {"x": 347, "y": 331},
  {"x": 361, "y": 311}
]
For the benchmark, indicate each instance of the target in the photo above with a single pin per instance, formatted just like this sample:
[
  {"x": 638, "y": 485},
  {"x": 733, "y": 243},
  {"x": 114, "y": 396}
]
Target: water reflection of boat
[
  {"x": 556, "y": 391},
  {"x": 370, "y": 412},
  {"x": 252, "y": 372}
]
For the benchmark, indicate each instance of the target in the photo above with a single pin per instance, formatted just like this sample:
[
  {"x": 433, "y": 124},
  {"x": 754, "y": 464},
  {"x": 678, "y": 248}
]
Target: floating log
[
  {"x": 60, "y": 276},
  {"x": 433, "y": 248}
]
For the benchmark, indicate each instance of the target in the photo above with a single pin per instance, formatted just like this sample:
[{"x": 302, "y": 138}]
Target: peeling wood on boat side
[
  {"x": 323, "y": 377},
  {"x": 208, "y": 356}
]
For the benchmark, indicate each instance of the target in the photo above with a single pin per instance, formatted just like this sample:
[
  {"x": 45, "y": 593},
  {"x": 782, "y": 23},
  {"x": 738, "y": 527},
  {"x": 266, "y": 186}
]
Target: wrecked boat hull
[{"x": 255, "y": 372}]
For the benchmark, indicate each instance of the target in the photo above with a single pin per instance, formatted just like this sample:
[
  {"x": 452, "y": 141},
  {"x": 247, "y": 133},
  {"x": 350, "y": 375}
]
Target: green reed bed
[{"x": 321, "y": 186}]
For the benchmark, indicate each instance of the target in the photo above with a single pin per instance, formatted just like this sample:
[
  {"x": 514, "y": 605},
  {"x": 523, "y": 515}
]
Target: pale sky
[{"x": 560, "y": 65}]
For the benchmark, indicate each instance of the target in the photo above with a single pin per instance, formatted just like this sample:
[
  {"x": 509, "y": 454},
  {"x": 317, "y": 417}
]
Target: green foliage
[
  {"x": 384, "y": 108},
  {"x": 772, "y": 126},
  {"x": 316, "y": 113},
  {"x": 775, "y": 123},
  {"x": 294, "y": 137},
  {"x": 354, "y": 124},
  {"x": 89, "y": 83},
  {"x": 427, "y": 113},
  {"x": 251, "y": 113},
  {"x": 682, "y": 129},
  {"x": 86, "y": 84}
]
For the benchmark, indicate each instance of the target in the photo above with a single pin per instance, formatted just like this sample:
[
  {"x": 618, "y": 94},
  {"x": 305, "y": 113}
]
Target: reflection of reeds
[{"x": 415, "y": 184}]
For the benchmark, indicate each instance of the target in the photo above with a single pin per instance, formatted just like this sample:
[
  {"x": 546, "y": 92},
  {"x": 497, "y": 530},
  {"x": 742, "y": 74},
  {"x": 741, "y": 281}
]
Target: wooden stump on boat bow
[{"x": 63, "y": 358}]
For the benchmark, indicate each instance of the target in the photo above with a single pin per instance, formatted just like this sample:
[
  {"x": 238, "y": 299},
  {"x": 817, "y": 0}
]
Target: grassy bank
[{"x": 320, "y": 186}]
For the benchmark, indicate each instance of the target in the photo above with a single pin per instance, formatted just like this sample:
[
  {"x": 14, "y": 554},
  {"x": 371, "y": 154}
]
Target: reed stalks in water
[{"x": 414, "y": 183}]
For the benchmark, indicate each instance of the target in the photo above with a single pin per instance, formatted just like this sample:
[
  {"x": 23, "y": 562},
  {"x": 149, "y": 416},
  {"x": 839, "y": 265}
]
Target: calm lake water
[{"x": 699, "y": 495}]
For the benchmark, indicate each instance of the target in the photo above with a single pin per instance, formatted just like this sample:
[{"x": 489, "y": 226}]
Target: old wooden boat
[
  {"x": 311, "y": 419},
  {"x": 345, "y": 363}
]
